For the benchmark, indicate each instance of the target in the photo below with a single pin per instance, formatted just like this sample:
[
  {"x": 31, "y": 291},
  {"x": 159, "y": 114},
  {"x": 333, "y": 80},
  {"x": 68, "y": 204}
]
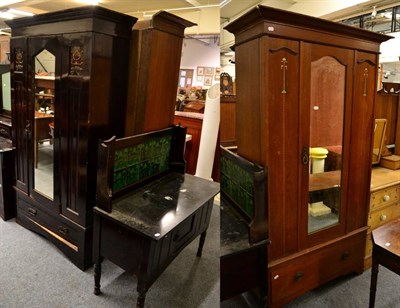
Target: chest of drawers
[{"x": 384, "y": 203}]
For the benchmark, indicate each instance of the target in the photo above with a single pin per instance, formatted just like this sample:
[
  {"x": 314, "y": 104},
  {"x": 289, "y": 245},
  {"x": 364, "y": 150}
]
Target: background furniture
[
  {"x": 194, "y": 106},
  {"x": 287, "y": 66},
  {"x": 386, "y": 252},
  {"x": 4, "y": 49},
  {"x": 90, "y": 46},
  {"x": 384, "y": 204},
  {"x": 148, "y": 209},
  {"x": 7, "y": 179},
  {"x": 156, "y": 47},
  {"x": 193, "y": 122},
  {"x": 244, "y": 237},
  {"x": 5, "y": 91},
  {"x": 387, "y": 107}
]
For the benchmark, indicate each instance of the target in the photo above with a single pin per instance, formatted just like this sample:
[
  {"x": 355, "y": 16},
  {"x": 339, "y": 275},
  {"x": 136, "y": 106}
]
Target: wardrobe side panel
[{"x": 365, "y": 72}]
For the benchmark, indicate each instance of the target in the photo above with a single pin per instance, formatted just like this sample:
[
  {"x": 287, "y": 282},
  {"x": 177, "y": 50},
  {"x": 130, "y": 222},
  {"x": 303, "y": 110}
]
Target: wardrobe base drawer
[
  {"x": 74, "y": 241},
  {"x": 300, "y": 274}
]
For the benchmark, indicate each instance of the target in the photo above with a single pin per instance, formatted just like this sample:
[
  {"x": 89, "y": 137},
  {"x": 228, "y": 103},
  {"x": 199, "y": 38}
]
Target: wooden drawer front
[
  {"x": 5, "y": 131},
  {"x": 184, "y": 233},
  {"x": 384, "y": 197},
  {"x": 297, "y": 276},
  {"x": 381, "y": 217},
  {"x": 47, "y": 224}
]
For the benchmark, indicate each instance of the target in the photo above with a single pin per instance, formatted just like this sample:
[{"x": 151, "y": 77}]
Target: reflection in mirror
[
  {"x": 5, "y": 91},
  {"x": 326, "y": 141},
  {"x": 44, "y": 123},
  {"x": 379, "y": 138}
]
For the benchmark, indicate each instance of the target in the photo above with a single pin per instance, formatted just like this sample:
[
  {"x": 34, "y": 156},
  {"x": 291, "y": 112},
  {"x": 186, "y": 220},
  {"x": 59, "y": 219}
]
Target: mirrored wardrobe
[
  {"x": 305, "y": 105},
  {"x": 69, "y": 88}
]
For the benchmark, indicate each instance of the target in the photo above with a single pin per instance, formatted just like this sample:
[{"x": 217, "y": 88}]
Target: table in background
[{"x": 386, "y": 252}]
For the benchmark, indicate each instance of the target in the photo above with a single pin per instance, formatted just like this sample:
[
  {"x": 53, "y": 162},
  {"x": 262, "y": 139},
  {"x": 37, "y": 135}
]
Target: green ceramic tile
[
  {"x": 237, "y": 183},
  {"x": 141, "y": 161}
]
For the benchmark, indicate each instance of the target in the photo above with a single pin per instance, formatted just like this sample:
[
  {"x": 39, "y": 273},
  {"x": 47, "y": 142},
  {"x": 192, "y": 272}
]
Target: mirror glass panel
[
  {"x": 379, "y": 138},
  {"x": 5, "y": 91},
  {"x": 44, "y": 123},
  {"x": 326, "y": 141}
]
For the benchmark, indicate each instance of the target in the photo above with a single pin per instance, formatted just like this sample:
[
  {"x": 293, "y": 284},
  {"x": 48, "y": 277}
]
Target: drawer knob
[
  {"x": 386, "y": 198},
  {"x": 63, "y": 230},
  {"x": 298, "y": 276},
  {"x": 32, "y": 211},
  {"x": 345, "y": 255},
  {"x": 383, "y": 217}
]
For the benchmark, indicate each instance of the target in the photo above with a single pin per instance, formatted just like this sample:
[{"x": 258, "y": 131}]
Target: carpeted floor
[{"x": 35, "y": 274}]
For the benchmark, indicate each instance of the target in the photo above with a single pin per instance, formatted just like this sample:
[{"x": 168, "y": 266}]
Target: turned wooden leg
[
  {"x": 97, "y": 275},
  {"x": 374, "y": 279},
  {"x": 201, "y": 243},
  {"x": 141, "y": 298}
]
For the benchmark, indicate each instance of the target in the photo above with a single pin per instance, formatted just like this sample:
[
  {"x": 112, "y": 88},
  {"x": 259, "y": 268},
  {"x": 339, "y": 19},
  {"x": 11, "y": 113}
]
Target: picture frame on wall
[
  {"x": 208, "y": 80},
  {"x": 200, "y": 78},
  {"x": 217, "y": 71},
  {"x": 216, "y": 77},
  {"x": 209, "y": 71},
  {"x": 200, "y": 71}
]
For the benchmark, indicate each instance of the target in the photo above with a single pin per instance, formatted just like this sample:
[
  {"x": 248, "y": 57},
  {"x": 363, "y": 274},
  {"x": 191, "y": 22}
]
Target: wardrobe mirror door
[
  {"x": 326, "y": 142},
  {"x": 44, "y": 110}
]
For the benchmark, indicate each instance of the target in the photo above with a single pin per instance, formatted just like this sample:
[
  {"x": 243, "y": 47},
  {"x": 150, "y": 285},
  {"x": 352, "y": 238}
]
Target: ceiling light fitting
[
  {"x": 224, "y": 2},
  {"x": 7, "y": 13}
]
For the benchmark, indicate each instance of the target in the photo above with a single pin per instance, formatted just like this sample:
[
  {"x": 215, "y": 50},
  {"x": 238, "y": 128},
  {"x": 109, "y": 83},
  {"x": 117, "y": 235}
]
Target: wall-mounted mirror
[
  {"x": 379, "y": 140},
  {"x": 44, "y": 123}
]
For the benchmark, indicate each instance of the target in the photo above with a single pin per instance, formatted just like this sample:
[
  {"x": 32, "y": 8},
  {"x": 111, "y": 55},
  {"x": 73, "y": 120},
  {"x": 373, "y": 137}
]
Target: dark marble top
[
  {"x": 234, "y": 231},
  {"x": 5, "y": 144},
  {"x": 156, "y": 208}
]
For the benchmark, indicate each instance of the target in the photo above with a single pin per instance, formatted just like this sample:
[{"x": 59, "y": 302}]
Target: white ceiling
[
  {"x": 139, "y": 8},
  {"x": 205, "y": 13},
  {"x": 123, "y": 6},
  {"x": 328, "y": 9}
]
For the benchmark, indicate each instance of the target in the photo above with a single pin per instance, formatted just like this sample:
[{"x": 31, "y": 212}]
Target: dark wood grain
[
  {"x": 156, "y": 48},
  {"x": 89, "y": 105},
  {"x": 227, "y": 134},
  {"x": 386, "y": 107},
  {"x": 193, "y": 128}
]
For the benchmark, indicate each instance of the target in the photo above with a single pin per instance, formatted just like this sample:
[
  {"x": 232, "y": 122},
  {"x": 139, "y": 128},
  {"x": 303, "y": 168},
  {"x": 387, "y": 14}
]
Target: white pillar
[{"x": 209, "y": 133}]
